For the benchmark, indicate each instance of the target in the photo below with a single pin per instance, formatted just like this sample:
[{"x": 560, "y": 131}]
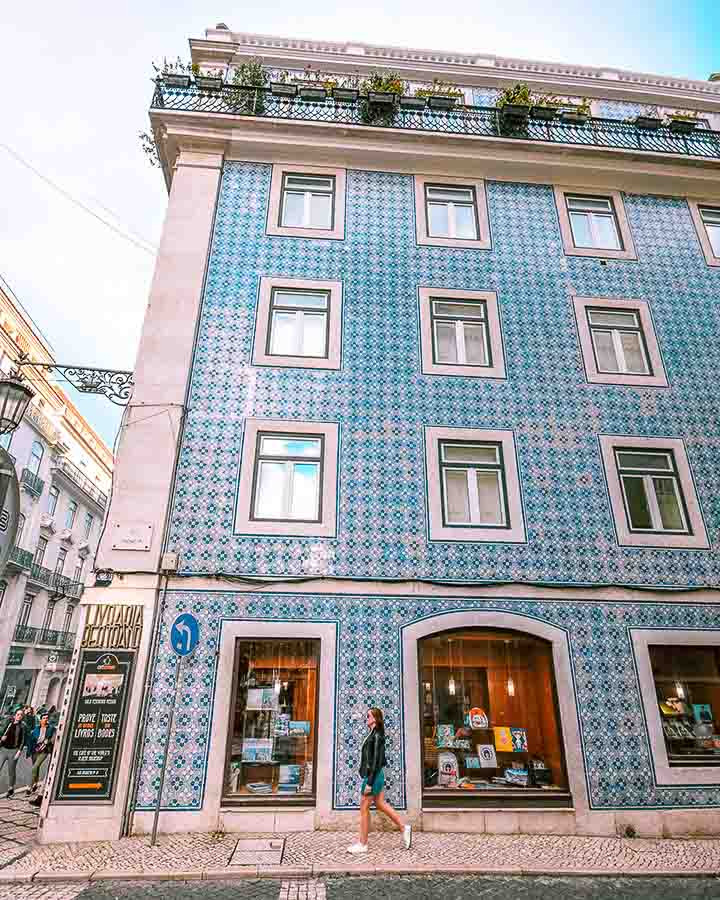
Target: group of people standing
[{"x": 29, "y": 732}]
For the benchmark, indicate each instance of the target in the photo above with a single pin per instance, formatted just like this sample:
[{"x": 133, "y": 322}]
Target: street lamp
[{"x": 15, "y": 395}]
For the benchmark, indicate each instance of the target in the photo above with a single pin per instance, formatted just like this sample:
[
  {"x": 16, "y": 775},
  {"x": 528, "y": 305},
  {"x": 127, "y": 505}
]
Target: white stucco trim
[
  {"x": 698, "y": 539},
  {"x": 327, "y": 526},
  {"x": 566, "y": 229},
  {"x": 641, "y": 307},
  {"x": 569, "y": 724},
  {"x": 494, "y": 332},
  {"x": 261, "y": 357},
  {"x": 515, "y": 533},
  {"x": 701, "y": 230},
  {"x": 337, "y": 232},
  {"x": 641, "y": 640},
  {"x": 483, "y": 222}
]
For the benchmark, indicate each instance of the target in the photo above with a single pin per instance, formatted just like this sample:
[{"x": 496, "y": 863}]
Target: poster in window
[
  {"x": 486, "y": 753},
  {"x": 503, "y": 739},
  {"x": 702, "y": 713},
  {"x": 519, "y": 740},
  {"x": 447, "y": 769}
]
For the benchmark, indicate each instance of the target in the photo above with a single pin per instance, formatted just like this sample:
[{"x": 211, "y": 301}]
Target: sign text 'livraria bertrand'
[{"x": 113, "y": 626}]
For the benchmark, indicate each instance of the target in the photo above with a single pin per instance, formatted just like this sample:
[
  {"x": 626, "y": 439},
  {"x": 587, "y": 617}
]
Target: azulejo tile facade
[
  {"x": 381, "y": 401},
  {"x": 617, "y": 761}
]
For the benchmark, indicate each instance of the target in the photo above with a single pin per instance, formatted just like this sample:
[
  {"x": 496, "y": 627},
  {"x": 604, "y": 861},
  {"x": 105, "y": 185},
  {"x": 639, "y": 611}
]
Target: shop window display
[
  {"x": 687, "y": 686},
  {"x": 490, "y": 724},
  {"x": 273, "y": 723}
]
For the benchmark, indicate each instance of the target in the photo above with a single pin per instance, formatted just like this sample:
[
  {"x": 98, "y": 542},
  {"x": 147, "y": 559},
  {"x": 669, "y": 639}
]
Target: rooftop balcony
[
  {"x": 474, "y": 121},
  {"x": 81, "y": 480}
]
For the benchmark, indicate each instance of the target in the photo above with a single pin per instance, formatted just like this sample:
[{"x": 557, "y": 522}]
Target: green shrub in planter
[{"x": 382, "y": 91}]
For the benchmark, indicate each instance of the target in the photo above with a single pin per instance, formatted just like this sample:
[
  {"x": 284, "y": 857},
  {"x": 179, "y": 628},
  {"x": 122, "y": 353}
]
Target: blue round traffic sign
[{"x": 185, "y": 634}]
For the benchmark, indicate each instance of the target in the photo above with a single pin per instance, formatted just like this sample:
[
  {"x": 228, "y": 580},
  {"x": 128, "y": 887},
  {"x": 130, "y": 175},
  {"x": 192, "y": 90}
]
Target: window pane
[
  {"x": 457, "y": 504},
  {"x": 475, "y": 352},
  {"x": 463, "y": 310},
  {"x": 456, "y": 195},
  {"x": 489, "y": 495},
  {"x": 270, "y": 490},
  {"x": 605, "y": 351},
  {"x": 606, "y": 232},
  {"x": 309, "y": 182},
  {"x": 581, "y": 229},
  {"x": 592, "y": 204},
  {"x": 314, "y": 328},
  {"x": 713, "y": 233},
  {"x": 710, "y": 216},
  {"x": 293, "y": 210},
  {"x": 632, "y": 348},
  {"x": 320, "y": 211},
  {"x": 627, "y": 460},
  {"x": 438, "y": 222},
  {"x": 465, "y": 226},
  {"x": 274, "y": 720},
  {"x": 637, "y": 502},
  {"x": 284, "y": 338},
  {"x": 296, "y": 299},
  {"x": 605, "y": 317},
  {"x": 469, "y": 453},
  {"x": 445, "y": 346},
  {"x": 304, "y": 501},
  {"x": 289, "y": 446},
  {"x": 667, "y": 500}
]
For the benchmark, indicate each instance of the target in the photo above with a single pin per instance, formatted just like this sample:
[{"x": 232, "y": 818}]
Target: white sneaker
[
  {"x": 357, "y": 848},
  {"x": 407, "y": 836}
]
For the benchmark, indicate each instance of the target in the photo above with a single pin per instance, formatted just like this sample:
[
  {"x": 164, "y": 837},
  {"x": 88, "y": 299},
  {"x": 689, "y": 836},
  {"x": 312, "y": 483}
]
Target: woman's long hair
[{"x": 377, "y": 714}]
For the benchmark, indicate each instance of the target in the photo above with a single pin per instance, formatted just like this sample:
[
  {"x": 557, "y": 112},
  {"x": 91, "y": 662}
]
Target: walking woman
[
  {"x": 40, "y": 747},
  {"x": 372, "y": 770},
  {"x": 12, "y": 738}
]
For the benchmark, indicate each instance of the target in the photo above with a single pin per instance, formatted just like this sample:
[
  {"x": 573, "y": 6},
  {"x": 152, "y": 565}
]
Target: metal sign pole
[{"x": 178, "y": 673}]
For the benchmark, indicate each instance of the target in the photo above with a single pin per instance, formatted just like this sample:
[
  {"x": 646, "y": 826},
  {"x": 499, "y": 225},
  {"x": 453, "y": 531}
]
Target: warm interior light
[
  {"x": 510, "y": 687},
  {"x": 277, "y": 685},
  {"x": 679, "y": 690},
  {"x": 451, "y": 686}
]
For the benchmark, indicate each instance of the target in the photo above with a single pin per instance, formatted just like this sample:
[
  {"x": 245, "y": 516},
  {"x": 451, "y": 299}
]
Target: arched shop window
[{"x": 490, "y": 723}]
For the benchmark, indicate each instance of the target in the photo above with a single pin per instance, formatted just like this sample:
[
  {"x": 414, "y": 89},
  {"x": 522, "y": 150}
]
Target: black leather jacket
[{"x": 372, "y": 755}]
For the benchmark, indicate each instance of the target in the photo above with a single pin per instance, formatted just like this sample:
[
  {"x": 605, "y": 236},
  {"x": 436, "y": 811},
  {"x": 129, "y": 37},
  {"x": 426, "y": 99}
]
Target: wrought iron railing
[
  {"x": 25, "y": 634},
  {"x": 32, "y": 484},
  {"x": 478, "y": 121},
  {"x": 82, "y": 481},
  {"x": 65, "y": 586},
  {"x": 52, "y": 638},
  {"x": 39, "y": 574},
  {"x": 20, "y": 558}
]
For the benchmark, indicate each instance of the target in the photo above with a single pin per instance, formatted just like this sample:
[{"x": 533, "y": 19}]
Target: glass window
[
  {"x": 298, "y": 323},
  {"x": 711, "y": 220},
  {"x": 460, "y": 335},
  {"x": 89, "y": 520},
  {"x": 40, "y": 551},
  {"x": 687, "y": 685},
  {"x": 451, "y": 212},
  {"x": 79, "y": 566},
  {"x": 287, "y": 477},
  {"x": 69, "y": 610},
  {"x": 36, "y": 454},
  {"x": 26, "y": 609},
  {"x": 70, "y": 514},
  {"x": 308, "y": 201},
  {"x": 5, "y": 440},
  {"x": 594, "y": 222},
  {"x": 489, "y": 725},
  {"x": 53, "y": 496},
  {"x": 618, "y": 341},
  {"x": 473, "y": 484},
  {"x": 49, "y": 613},
  {"x": 20, "y": 529},
  {"x": 60, "y": 562},
  {"x": 652, "y": 492},
  {"x": 273, "y": 728}
]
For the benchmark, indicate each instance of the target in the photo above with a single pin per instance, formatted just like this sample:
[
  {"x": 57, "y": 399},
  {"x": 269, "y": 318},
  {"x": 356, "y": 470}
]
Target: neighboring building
[
  {"x": 64, "y": 469},
  {"x": 425, "y": 405}
]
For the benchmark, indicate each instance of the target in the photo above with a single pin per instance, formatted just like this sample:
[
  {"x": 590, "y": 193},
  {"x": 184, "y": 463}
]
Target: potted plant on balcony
[
  {"x": 440, "y": 94},
  {"x": 545, "y": 107},
  {"x": 577, "y": 114},
  {"x": 248, "y": 94},
  {"x": 382, "y": 91},
  {"x": 210, "y": 80},
  {"x": 649, "y": 119},
  {"x": 174, "y": 74},
  {"x": 346, "y": 90},
  {"x": 513, "y": 107},
  {"x": 683, "y": 121},
  {"x": 280, "y": 86}
]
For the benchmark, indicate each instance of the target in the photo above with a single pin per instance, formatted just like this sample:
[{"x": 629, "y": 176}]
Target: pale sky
[{"x": 76, "y": 88}]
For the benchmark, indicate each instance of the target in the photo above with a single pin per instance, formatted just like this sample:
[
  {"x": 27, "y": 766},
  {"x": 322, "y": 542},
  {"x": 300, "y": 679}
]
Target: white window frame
[
  {"x": 561, "y": 192},
  {"x": 641, "y": 308},
  {"x": 337, "y": 232},
  {"x": 53, "y": 494},
  {"x": 483, "y": 241},
  {"x": 651, "y": 491},
  {"x": 327, "y": 525},
  {"x": 494, "y": 334},
  {"x": 697, "y": 539},
  {"x": 514, "y": 532},
  {"x": 695, "y": 206},
  {"x": 261, "y": 357}
]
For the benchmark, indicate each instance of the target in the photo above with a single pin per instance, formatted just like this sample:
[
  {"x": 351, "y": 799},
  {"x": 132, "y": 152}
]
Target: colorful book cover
[
  {"x": 486, "y": 754},
  {"x": 519, "y": 740},
  {"x": 445, "y": 736},
  {"x": 299, "y": 727},
  {"x": 447, "y": 769},
  {"x": 478, "y": 718},
  {"x": 702, "y": 713},
  {"x": 472, "y": 762},
  {"x": 503, "y": 739}
]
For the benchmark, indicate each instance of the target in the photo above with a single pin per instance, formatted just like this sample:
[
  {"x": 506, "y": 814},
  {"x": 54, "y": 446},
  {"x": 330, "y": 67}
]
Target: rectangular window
[
  {"x": 593, "y": 222},
  {"x": 710, "y": 217},
  {"x": 298, "y": 323},
  {"x": 49, "y": 613},
  {"x": 60, "y": 562},
  {"x": 70, "y": 515},
  {"x": 451, "y": 212},
  {"x": 651, "y": 490},
  {"x": 26, "y": 610},
  {"x": 40, "y": 551},
  {"x": 307, "y": 201},
  {"x": 79, "y": 566},
  {"x": 460, "y": 333},
  {"x": 687, "y": 687},
  {"x": 273, "y": 730},
  {"x": 67, "y": 623},
  {"x": 287, "y": 477},
  {"x": 473, "y": 484},
  {"x": 89, "y": 520},
  {"x": 618, "y": 341},
  {"x": 53, "y": 496}
]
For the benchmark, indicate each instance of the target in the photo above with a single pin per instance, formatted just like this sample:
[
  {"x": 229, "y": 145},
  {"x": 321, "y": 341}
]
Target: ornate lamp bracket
[{"x": 115, "y": 384}]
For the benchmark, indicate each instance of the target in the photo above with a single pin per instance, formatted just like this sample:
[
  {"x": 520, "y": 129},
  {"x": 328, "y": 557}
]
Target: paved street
[{"x": 24, "y": 767}]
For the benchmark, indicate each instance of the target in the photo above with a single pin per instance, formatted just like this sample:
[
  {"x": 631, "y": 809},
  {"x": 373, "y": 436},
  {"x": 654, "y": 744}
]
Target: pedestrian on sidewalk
[
  {"x": 372, "y": 770},
  {"x": 39, "y": 747},
  {"x": 13, "y": 737}
]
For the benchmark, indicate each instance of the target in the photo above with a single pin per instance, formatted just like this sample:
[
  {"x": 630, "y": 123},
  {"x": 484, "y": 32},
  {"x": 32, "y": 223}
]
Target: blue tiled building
[{"x": 433, "y": 429}]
